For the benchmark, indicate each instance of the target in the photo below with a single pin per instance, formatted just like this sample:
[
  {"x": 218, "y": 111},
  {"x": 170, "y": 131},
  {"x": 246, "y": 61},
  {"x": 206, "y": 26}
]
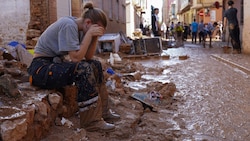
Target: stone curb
[{"x": 242, "y": 68}]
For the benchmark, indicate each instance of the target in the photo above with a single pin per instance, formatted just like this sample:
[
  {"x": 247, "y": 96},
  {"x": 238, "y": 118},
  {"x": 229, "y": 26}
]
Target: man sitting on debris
[{"x": 77, "y": 38}]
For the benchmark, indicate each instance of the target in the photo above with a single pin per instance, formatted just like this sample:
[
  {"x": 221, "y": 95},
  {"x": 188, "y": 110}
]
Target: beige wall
[
  {"x": 115, "y": 11},
  {"x": 76, "y": 8},
  {"x": 218, "y": 15},
  {"x": 19, "y": 16},
  {"x": 246, "y": 28},
  {"x": 116, "y": 16},
  {"x": 14, "y": 17}
]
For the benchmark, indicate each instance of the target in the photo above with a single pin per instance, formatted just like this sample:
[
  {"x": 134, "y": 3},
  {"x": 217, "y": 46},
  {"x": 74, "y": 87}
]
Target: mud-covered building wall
[
  {"x": 116, "y": 14},
  {"x": 14, "y": 17},
  {"x": 42, "y": 14},
  {"x": 246, "y": 28},
  {"x": 25, "y": 20}
]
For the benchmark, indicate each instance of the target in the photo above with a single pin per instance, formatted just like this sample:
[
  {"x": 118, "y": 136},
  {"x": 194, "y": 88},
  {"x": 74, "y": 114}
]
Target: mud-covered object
[{"x": 8, "y": 86}]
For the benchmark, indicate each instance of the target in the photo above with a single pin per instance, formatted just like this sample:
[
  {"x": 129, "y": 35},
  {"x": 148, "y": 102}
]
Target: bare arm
[
  {"x": 88, "y": 45},
  {"x": 158, "y": 25},
  {"x": 224, "y": 24},
  {"x": 91, "y": 50}
]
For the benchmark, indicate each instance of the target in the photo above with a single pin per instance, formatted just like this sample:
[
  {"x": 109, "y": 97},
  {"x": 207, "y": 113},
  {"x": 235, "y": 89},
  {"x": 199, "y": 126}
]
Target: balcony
[{"x": 204, "y": 4}]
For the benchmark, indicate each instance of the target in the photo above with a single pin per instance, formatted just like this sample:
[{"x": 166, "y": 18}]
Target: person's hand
[{"x": 96, "y": 30}]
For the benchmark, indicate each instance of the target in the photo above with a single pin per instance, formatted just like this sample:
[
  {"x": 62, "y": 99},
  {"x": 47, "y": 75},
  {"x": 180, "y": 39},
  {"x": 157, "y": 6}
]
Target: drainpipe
[{"x": 70, "y": 7}]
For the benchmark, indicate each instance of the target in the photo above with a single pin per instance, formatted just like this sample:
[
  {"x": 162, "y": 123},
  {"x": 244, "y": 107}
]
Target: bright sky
[{"x": 155, "y": 4}]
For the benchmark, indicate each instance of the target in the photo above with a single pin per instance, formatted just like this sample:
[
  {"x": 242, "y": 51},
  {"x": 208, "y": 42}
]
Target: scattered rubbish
[
  {"x": 17, "y": 51},
  {"x": 125, "y": 48},
  {"x": 167, "y": 57},
  {"x": 154, "y": 96},
  {"x": 115, "y": 60},
  {"x": 12, "y": 47},
  {"x": 110, "y": 71},
  {"x": 15, "y": 43},
  {"x": 66, "y": 122},
  {"x": 183, "y": 57},
  {"x": 227, "y": 49},
  {"x": 137, "y": 33},
  {"x": 5, "y": 54},
  {"x": 114, "y": 80},
  {"x": 111, "y": 83},
  {"x": 149, "y": 100}
]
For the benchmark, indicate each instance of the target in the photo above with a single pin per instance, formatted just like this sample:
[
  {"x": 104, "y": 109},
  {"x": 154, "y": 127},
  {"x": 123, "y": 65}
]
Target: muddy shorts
[
  {"x": 86, "y": 75},
  {"x": 46, "y": 74}
]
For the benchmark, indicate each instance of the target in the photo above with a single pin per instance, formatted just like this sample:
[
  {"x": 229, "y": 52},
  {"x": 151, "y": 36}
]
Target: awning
[
  {"x": 184, "y": 9},
  {"x": 202, "y": 5},
  {"x": 197, "y": 6}
]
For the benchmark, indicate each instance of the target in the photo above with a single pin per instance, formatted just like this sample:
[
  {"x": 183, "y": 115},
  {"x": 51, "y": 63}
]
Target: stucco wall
[
  {"x": 246, "y": 28},
  {"x": 14, "y": 17},
  {"x": 63, "y": 8}
]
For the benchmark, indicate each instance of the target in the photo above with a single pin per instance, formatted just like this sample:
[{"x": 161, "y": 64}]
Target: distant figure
[
  {"x": 209, "y": 29},
  {"x": 172, "y": 26},
  {"x": 167, "y": 32},
  {"x": 171, "y": 30},
  {"x": 142, "y": 29},
  {"x": 231, "y": 20},
  {"x": 194, "y": 28},
  {"x": 186, "y": 31},
  {"x": 179, "y": 33},
  {"x": 163, "y": 30},
  {"x": 201, "y": 31},
  {"x": 156, "y": 28}
]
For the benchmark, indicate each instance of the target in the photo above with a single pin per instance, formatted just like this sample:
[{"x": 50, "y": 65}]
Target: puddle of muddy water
[
  {"x": 215, "y": 95},
  {"x": 161, "y": 72},
  {"x": 137, "y": 85}
]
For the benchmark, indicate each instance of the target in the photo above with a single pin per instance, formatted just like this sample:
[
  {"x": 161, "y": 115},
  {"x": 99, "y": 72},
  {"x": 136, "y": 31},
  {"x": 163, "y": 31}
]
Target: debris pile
[{"x": 28, "y": 112}]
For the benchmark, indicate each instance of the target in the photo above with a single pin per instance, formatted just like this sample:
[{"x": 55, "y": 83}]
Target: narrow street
[
  {"x": 216, "y": 95},
  {"x": 211, "y": 101},
  {"x": 192, "y": 93}
]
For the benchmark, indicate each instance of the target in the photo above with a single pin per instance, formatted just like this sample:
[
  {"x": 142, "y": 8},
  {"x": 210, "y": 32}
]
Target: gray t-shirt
[{"x": 59, "y": 38}]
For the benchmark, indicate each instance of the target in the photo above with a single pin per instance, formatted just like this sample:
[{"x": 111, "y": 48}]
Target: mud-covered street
[
  {"x": 216, "y": 95},
  {"x": 211, "y": 101},
  {"x": 191, "y": 92}
]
